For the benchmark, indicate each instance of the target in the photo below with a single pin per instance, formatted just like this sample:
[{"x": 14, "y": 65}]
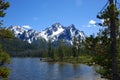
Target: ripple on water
[{"x": 34, "y": 69}]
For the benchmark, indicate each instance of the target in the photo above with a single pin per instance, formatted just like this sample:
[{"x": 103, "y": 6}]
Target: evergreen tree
[
  {"x": 4, "y": 58},
  {"x": 102, "y": 55},
  {"x": 111, "y": 19},
  {"x": 3, "y": 6},
  {"x": 50, "y": 50},
  {"x": 75, "y": 47},
  {"x": 99, "y": 48},
  {"x": 61, "y": 50},
  {"x": 6, "y": 34},
  {"x": 43, "y": 48}
]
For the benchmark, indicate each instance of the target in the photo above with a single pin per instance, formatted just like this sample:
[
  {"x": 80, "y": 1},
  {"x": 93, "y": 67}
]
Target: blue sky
[{"x": 40, "y": 14}]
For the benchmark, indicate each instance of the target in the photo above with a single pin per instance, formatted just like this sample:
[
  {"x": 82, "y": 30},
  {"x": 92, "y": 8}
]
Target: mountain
[
  {"x": 24, "y": 34},
  {"x": 54, "y": 33}
]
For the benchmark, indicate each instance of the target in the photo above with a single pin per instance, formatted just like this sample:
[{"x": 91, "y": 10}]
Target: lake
[{"x": 34, "y": 69}]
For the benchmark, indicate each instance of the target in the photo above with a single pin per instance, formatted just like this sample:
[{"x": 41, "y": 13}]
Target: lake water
[{"x": 34, "y": 69}]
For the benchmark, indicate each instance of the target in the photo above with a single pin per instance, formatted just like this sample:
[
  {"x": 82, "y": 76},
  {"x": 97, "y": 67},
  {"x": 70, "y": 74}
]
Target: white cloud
[
  {"x": 92, "y": 22},
  {"x": 26, "y": 26}
]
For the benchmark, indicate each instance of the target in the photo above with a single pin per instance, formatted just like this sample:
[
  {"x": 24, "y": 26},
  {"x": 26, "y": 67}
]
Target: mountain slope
[{"x": 54, "y": 33}]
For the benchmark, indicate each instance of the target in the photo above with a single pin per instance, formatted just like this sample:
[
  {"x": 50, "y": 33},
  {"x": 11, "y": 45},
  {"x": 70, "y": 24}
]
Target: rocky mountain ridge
[{"x": 54, "y": 33}]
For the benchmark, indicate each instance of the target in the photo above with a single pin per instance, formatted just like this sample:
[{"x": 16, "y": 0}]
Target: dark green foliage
[
  {"x": 3, "y": 6},
  {"x": 16, "y": 47},
  {"x": 75, "y": 47},
  {"x": 4, "y": 72},
  {"x": 99, "y": 48},
  {"x": 4, "y": 33},
  {"x": 103, "y": 56},
  {"x": 50, "y": 50},
  {"x": 4, "y": 57},
  {"x": 110, "y": 68},
  {"x": 40, "y": 46},
  {"x": 62, "y": 52}
]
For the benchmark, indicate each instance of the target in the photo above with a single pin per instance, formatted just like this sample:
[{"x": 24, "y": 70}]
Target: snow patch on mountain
[{"x": 54, "y": 33}]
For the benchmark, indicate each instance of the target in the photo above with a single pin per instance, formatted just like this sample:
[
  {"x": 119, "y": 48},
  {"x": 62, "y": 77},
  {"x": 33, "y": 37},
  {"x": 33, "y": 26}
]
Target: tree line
[{"x": 63, "y": 51}]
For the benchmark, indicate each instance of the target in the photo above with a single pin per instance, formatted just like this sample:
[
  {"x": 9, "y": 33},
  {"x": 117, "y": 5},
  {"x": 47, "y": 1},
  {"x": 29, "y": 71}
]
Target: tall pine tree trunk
[{"x": 113, "y": 36}]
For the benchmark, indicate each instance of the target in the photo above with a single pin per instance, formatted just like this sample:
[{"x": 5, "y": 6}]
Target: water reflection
[{"x": 33, "y": 69}]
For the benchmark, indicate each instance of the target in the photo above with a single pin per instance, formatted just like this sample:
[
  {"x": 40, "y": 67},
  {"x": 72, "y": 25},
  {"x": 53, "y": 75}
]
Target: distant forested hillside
[{"x": 17, "y": 47}]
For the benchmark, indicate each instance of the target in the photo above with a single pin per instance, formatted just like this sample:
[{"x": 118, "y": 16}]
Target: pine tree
[
  {"x": 3, "y": 6},
  {"x": 111, "y": 19},
  {"x": 61, "y": 50},
  {"x": 4, "y": 57},
  {"x": 6, "y": 34},
  {"x": 75, "y": 47},
  {"x": 50, "y": 50}
]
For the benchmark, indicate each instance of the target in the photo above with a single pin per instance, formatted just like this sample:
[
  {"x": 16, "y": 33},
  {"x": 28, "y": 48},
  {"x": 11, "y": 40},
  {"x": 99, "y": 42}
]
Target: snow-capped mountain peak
[
  {"x": 17, "y": 30},
  {"x": 72, "y": 26},
  {"x": 54, "y": 33}
]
